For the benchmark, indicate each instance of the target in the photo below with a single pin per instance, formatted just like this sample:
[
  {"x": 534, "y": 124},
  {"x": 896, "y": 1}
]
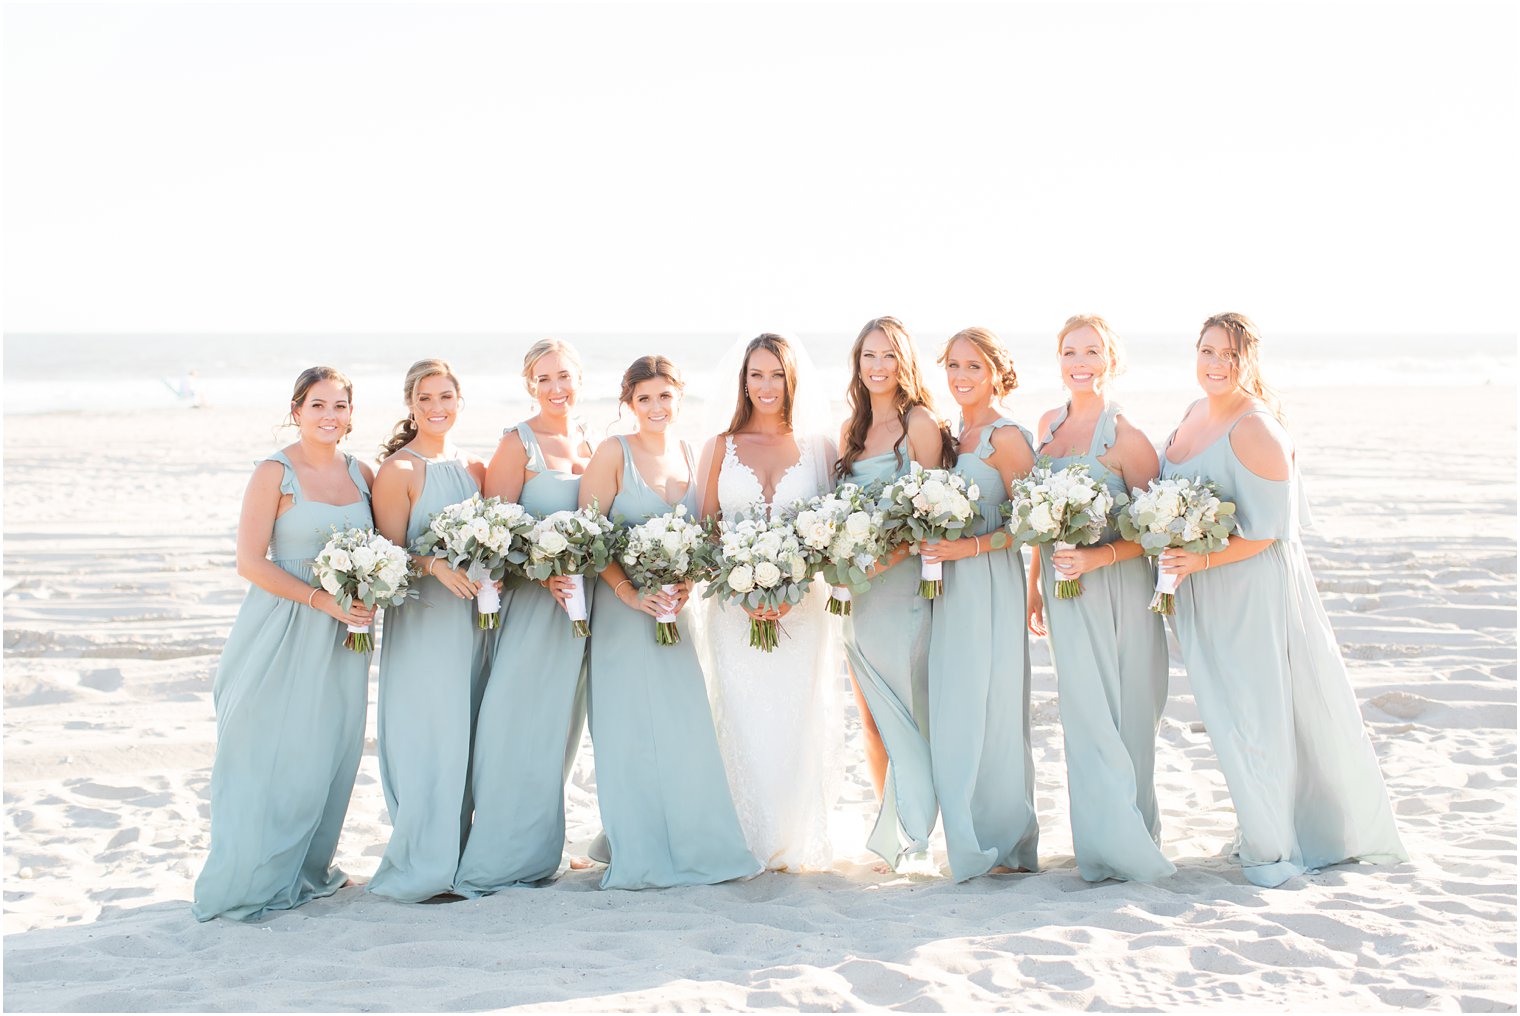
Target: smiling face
[
  {"x": 655, "y": 403},
  {"x": 435, "y": 403},
  {"x": 556, "y": 384},
  {"x": 1084, "y": 360},
  {"x": 968, "y": 373},
  {"x": 765, "y": 381},
  {"x": 325, "y": 413},
  {"x": 1218, "y": 362},
  {"x": 878, "y": 364}
]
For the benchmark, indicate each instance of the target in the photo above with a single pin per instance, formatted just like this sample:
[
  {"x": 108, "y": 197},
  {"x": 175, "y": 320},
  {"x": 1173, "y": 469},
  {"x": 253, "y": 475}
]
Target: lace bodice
[{"x": 739, "y": 489}]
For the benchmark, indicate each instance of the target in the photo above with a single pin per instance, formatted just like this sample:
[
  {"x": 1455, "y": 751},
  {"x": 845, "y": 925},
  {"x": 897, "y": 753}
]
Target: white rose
[
  {"x": 365, "y": 558},
  {"x": 767, "y": 575},
  {"x": 858, "y": 524},
  {"x": 741, "y": 579},
  {"x": 340, "y": 561},
  {"x": 331, "y": 584},
  {"x": 1080, "y": 496},
  {"x": 799, "y": 569},
  {"x": 552, "y": 543},
  {"x": 1041, "y": 520},
  {"x": 671, "y": 544}
]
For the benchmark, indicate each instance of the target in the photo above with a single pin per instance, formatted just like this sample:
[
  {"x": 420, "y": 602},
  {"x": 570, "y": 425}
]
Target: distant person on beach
[{"x": 188, "y": 389}]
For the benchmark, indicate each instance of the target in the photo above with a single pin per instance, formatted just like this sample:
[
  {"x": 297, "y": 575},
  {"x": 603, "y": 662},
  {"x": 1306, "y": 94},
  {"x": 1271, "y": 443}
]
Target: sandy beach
[{"x": 119, "y": 589}]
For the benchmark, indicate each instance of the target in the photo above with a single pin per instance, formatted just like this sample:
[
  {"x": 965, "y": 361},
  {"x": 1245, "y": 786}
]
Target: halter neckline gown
[
  {"x": 979, "y": 694},
  {"x": 1109, "y": 651},
  {"x": 531, "y": 718},
  {"x": 433, "y": 664},
  {"x": 886, "y": 639},
  {"x": 290, "y": 704},
  {"x": 1271, "y": 685},
  {"x": 665, "y": 805}
]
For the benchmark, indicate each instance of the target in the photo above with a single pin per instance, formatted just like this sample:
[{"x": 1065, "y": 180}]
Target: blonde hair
[
  {"x": 309, "y": 377},
  {"x": 1245, "y": 342},
  {"x": 1004, "y": 378},
  {"x": 406, "y": 429},
  {"x": 911, "y": 393},
  {"x": 1113, "y": 348},
  {"x": 542, "y": 348}
]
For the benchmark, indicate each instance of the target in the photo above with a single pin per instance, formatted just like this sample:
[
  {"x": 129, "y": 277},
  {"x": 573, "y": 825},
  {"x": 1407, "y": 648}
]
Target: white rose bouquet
[
  {"x": 760, "y": 564},
  {"x": 576, "y": 544},
  {"x": 1177, "y": 513},
  {"x": 925, "y": 505},
  {"x": 360, "y": 564},
  {"x": 664, "y": 551},
  {"x": 1065, "y": 507},
  {"x": 845, "y": 528},
  {"x": 486, "y": 535}
]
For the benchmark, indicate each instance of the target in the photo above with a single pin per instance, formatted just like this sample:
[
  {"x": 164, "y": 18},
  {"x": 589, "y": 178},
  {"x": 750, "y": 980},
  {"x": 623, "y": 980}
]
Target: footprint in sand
[{"x": 1403, "y": 704}]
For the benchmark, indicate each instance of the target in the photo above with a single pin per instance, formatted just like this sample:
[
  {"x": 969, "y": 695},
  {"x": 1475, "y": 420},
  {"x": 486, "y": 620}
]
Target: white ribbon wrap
[
  {"x": 1063, "y": 545},
  {"x": 840, "y": 593},
  {"x": 931, "y": 571},
  {"x": 576, "y": 605},
  {"x": 669, "y": 589},
  {"x": 1166, "y": 582}
]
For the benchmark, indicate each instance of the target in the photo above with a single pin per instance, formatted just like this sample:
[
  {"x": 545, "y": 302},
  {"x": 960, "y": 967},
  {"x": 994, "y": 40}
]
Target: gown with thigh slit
[
  {"x": 1109, "y": 651},
  {"x": 433, "y": 658},
  {"x": 886, "y": 639},
  {"x": 290, "y": 704},
  {"x": 1272, "y": 689},
  {"x": 664, "y": 799}
]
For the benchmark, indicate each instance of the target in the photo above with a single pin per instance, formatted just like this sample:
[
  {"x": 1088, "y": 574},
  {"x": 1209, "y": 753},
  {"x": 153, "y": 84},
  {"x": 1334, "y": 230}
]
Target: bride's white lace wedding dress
[{"x": 778, "y": 714}]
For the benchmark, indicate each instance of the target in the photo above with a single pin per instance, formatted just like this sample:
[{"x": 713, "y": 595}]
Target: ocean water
[{"x": 73, "y": 373}]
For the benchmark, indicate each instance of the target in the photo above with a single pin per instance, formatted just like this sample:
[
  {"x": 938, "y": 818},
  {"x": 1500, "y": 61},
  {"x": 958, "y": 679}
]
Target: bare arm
[
  {"x": 1012, "y": 458},
  {"x": 600, "y": 484},
  {"x": 1263, "y": 447},
  {"x": 504, "y": 476},
  {"x": 396, "y": 487},
  {"x": 924, "y": 443},
  {"x": 707, "y": 475},
  {"x": 261, "y": 503}
]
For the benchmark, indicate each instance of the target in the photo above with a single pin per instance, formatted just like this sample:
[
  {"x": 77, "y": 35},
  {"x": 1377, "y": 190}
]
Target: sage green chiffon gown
[
  {"x": 979, "y": 695},
  {"x": 530, "y": 720},
  {"x": 1109, "y": 651},
  {"x": 1271, "y": 685},
  {"x": 433, "y": 658},
  {"x": 886, "y": 638},
  {"x": 663, "y": 794},
  {"x": 290, "y": 704}
]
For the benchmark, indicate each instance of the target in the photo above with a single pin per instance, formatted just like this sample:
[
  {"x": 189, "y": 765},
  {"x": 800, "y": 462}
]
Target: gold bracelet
[
  {"x": 617, "y": 589},
  {"x": 1205, "y": 562},
  {"x": 1115, "y": 551},
  {"x": 978, "y": 542},
  {"x": 311, "y": 600},
  {"x": 432, "y": 562}
]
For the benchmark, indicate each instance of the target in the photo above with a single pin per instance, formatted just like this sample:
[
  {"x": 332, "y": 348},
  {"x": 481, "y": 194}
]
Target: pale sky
[{"x": 574, "y": 168}]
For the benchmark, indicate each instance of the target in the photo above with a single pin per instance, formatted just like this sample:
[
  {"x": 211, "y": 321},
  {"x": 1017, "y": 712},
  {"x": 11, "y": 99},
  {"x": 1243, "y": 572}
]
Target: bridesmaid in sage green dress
[
  {"x": 534, "y": 705},
  {"x": 1262, "y": 658},
  {"x": 664, "y": 797},
  {"x": 1108, "y": 648},
  {"x": 886, "y": 634},
  {"x": 978, "y": 645},
  {"x": 433, "y": 654},
  {"x": 290, "y": 700}
]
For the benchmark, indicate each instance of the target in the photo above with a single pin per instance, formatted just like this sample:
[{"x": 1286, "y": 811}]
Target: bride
[{"x": 777, "y": 714}]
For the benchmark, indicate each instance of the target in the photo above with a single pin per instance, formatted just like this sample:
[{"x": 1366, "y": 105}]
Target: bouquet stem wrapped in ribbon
[
  {"x": 760, "y": 564},
  {"x": 665, "y": 550},
  {"x": 1177, "y": 512},
  {"x": 844, "y": 529},
  {"x": 1067, "y": 508},
  {"x": 575, "y": 544},
  {"x": 360, "y": 564},
  {"x": 925, "y": 506},
  {"x": 486, "y": 536}
]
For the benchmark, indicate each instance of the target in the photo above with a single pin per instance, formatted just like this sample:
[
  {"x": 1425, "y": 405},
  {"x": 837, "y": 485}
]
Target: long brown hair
[
  {"x": 911, "y": 393},
  {"x": 1245, "y": 337},
  {"x": 406, "y": 429},
  {"x": 309, "y": 377},
  {"x": 782, "y": 349}
]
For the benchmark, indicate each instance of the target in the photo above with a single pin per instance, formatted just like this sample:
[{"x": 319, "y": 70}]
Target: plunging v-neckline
[{"x": 733, "y": 450}]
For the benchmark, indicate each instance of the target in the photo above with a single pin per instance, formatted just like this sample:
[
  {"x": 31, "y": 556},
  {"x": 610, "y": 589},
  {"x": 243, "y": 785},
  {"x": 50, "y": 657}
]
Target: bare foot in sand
[{"x": 579, "y": 863}]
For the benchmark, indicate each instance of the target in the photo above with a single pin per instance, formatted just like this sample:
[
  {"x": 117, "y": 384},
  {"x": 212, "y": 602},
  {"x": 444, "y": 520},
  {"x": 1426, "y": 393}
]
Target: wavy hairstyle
[
  {"x": 1004, "y": 378},
  {"x": 406, "y": 429},
  {"x": 1245, "y": 342},
  {"x": 1113, "y": 348},
  {"x": 309, "y": 377},
  {"x": 782, "y": 349},
  {"x": 911, "y": 393},
  {"x": 647, "y": 368}
]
